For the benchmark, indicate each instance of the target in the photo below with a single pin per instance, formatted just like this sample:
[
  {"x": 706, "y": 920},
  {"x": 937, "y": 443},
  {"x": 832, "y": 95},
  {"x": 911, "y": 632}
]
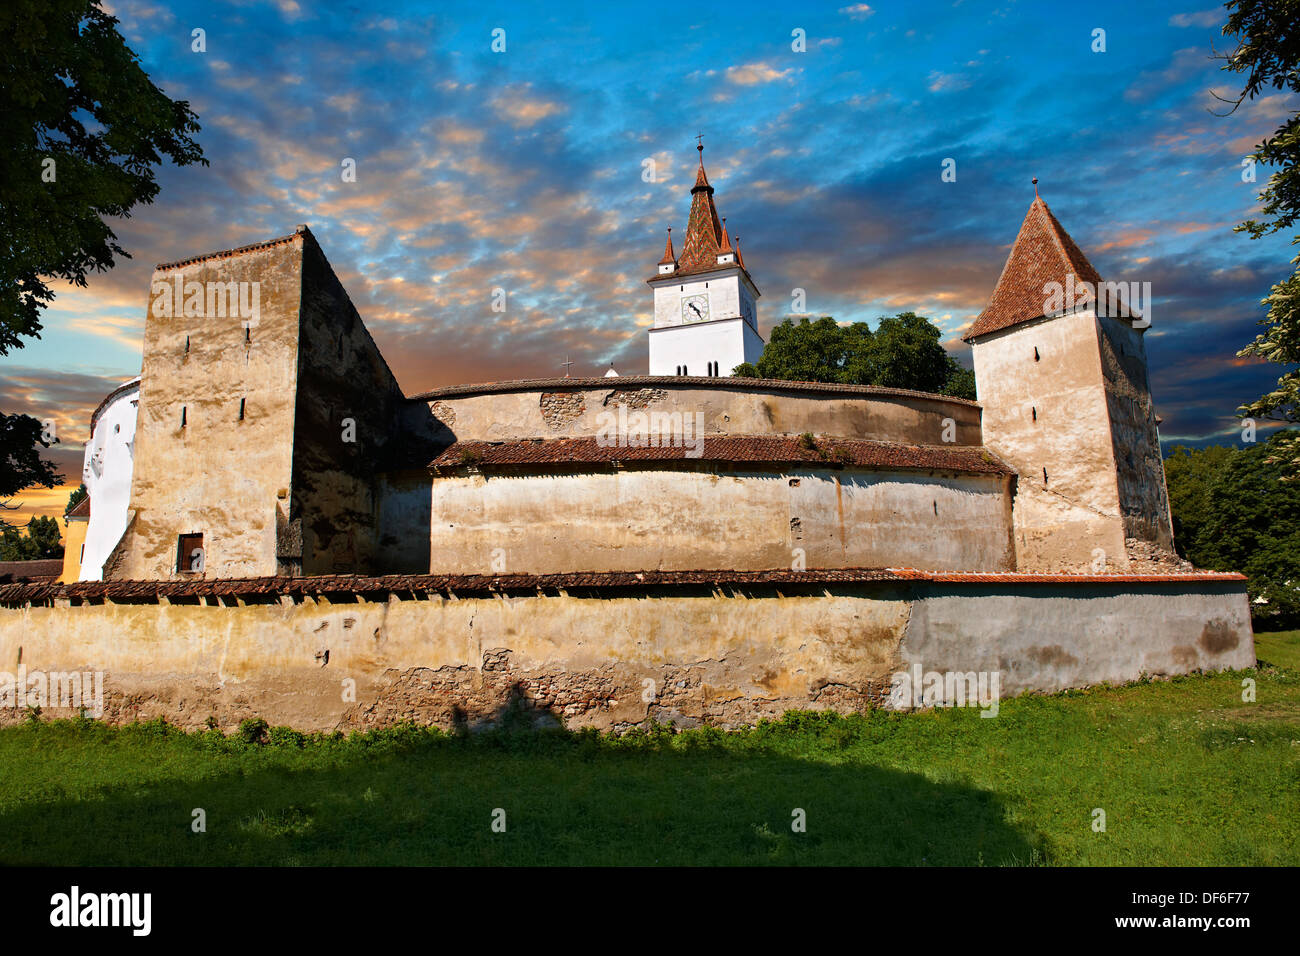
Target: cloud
[
  {"x": 1183, "y": 66},
  {"x": 858, "y": 11},
  {"x": 947, "y": 82},
  {"x": 1205, "y": 18},
  {"x": 752, "y": 74},
  {"x": 520, "y": 108}
]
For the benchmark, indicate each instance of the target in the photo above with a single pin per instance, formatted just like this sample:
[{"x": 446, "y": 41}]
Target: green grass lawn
[{"x": 1185, "y": 771}]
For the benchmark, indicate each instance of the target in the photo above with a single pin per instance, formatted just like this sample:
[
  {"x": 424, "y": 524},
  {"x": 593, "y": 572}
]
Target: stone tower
[
  {"x": 266, "y": 411},
  {"x": 706, "y": 318},
  {"x": 1061, "y": 372}
]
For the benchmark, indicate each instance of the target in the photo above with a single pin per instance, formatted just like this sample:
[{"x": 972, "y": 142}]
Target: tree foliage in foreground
[
  {"x": 1267, "y": 34},
  {"x": 82, "y": 130}
]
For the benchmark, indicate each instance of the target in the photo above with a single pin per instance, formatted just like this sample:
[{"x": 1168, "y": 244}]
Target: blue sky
[{"x": 523, "y": 170}]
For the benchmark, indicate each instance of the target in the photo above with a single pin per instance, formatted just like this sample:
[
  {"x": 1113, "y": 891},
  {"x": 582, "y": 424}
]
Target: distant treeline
[{"x": 1238, "y": 509}]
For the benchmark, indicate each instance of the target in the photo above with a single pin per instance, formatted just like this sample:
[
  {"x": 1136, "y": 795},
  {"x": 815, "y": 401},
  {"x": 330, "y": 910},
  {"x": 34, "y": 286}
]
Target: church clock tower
[{"x": 706, "y": 319}]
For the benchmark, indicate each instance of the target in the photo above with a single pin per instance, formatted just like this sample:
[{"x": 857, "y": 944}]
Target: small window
[
  {"x": 187, "y": 345},
  {"x": 1036, "y": 356},
  {"x": 241, "y": 408},
  {"x": 189, "y": 554},
  {"x": 182, "y": 416}
]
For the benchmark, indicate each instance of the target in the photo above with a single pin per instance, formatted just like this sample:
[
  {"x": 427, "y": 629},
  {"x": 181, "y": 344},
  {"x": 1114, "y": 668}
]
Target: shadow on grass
[{"x": 411, "y": 796}]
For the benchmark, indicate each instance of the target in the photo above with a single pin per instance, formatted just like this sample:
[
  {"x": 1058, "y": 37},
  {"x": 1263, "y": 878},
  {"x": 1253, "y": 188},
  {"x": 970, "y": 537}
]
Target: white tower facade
[
  {"x": 706, "y": 303},
  {"x": 106, "y": 470}
]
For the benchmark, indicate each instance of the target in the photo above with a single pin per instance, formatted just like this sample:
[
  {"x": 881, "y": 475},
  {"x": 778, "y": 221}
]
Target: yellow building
[{"x": 74, "y": 540}]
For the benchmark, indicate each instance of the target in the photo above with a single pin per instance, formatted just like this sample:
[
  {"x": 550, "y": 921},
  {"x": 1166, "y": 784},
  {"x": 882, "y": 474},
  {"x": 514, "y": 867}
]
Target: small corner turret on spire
[
  {"x": 669, "y": 262},
  {"x": 726, "y": 254}
]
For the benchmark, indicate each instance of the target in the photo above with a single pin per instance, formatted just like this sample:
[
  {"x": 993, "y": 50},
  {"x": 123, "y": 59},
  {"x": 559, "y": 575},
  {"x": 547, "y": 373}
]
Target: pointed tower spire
[
  {"x": 726, "y": 240},
  {"x": 1043, "y": 254},
  {"x": 669, "y": 257},
  {"x": 703, "y": 230}
]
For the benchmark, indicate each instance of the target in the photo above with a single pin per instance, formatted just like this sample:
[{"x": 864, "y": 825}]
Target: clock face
[{"x": 695, "y": 308}]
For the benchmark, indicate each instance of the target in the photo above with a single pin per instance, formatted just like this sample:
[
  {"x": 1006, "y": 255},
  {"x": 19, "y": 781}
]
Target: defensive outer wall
[{"x": 607, "y": 650}]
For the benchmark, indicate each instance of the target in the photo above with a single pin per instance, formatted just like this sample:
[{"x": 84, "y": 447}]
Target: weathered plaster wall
[
  {"x": 733, "y": 409},
  {"x": 727, "y": 659},
  {"x": 703, "y": 518},
  {"x": 1042, "y": 639},
  {"x": 216, "y": 475},
  {"x": 345, "y": 427},
  {"x": 1140, "y": 469},
  {"x": 1049, "y": 419},
  {"x": 616, "y": 658}
]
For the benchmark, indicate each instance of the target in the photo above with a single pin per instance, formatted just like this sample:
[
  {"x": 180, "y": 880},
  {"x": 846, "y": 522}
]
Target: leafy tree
[
  {"x": 21, "y": 465},
  {"x": 1234, "y": 510},
  {"x": 961, "y": 382},
  {"x": 83, "y": 129},
  {"x": 1267, "y": 51},
  {"x": 1189, "y": 473},
  {"x": 72, "y": 92},
  {"x": 903, "y": 352},
  {"x": 807, "y": 352},
  {"x": 40, "y": 541},
  {"x": 79, "y": 494}
]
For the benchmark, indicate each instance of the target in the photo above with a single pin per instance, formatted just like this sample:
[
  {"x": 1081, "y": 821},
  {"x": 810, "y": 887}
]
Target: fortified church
[{"x": 270, "y": 514}]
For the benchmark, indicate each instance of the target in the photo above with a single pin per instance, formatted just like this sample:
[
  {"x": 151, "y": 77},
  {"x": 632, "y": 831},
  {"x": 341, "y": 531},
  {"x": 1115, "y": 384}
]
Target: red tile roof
[
  {"x": 40, "y": 570},
  {"x": 732, "y": 449},
  {"x": 1043, "y": 253},
  {"x": 668, "y": 258},
  {"x": 18, "y": 594},
  {"x": 703, "y": 230},
  {"x": 82, "y": 510}
]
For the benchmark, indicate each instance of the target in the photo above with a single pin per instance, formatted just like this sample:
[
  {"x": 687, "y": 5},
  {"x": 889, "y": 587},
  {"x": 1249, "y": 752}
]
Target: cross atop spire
[{"x": 701, "y": 179}]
